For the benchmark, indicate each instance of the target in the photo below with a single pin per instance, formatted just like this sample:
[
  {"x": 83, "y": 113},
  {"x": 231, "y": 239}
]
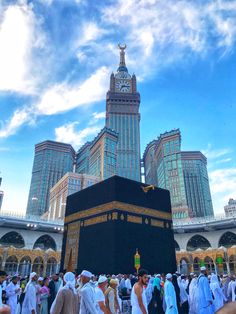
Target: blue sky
[{"x": 56, "y": 57}]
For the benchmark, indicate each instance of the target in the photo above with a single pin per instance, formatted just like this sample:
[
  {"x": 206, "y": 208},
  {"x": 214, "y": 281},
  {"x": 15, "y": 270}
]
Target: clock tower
[{"x": 122, "y": 115}]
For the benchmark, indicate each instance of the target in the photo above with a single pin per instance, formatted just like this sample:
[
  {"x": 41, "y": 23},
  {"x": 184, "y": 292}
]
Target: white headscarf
[
  {"x": 69, "y": 279},
  {"x": 30, "y": 280},
  {"x": 214, "y": 283}
]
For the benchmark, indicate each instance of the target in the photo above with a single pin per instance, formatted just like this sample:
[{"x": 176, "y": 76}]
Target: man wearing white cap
[
  {"x": 100, "y": 295},
  {"x": 204, "y": 295},
  {"x": 12, "y": 291},
  {"x": 30, "y": 302},
  {"x": 66, "y": 301},
  {"x": 192, "y": 295},
  {"x": 87, "y": 294},
  {"x": 170, "y": 296}
]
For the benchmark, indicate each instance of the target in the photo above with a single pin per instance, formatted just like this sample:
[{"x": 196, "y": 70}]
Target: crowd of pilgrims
[{"x": 89, "y": 294}]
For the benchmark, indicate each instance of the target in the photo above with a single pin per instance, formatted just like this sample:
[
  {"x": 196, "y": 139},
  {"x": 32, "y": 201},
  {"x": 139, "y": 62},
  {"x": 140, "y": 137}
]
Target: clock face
[{"x": 123, "y": 86}]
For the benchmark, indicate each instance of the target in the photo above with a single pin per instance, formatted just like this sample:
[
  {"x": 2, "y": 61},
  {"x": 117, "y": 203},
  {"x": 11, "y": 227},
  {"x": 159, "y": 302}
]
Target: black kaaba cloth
[{"x": 107, "y": 222}]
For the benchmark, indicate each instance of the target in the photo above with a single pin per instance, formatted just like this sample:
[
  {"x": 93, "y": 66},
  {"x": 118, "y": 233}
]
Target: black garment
[
  {"x": 189, "y": 281},
  {"x": 177, "y": 291},
  {"x": 184, "y": 309},
  {"x": 52, "y": 296},
  {"x": 155, "y": 305}
]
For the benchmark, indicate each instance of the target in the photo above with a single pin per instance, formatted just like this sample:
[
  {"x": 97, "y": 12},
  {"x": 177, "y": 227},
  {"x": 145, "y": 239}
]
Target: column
[
  {"x": 216, "y": 269},
  {"x": 228, "y": 268},
  {"x": 178, "y": 268},
  {"x": 58, "y": 268}
]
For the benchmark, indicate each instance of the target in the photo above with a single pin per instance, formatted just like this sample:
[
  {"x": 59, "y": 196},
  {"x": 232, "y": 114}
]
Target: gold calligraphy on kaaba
[
  {"x": 72, "y": 245},
  {"x": 101, "y": 209},
  {"x": 157, "y": 223},
  {"x": 95, "y": 220},
  {"x": 135, "y": 219}
]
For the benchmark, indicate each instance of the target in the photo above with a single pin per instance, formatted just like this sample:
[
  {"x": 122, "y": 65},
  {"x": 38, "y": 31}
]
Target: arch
[
  {"x": 51, "y": 266},
  {"x": 12, "y": 238},
  {"x": 11, "y": 265},
  {"x": 209, "y": 263},
  {"x": 45, "y": 242},
  {"x": 227, "y": 239},
  {"x": 38, "y": 266},
  {"x": 25, "y": 266},
  {"x": 197, "y": 263},
  {"x": 197, "y": 242},
  {"x": 177, "y": 247},
  {"x": 232, "y": 264}
]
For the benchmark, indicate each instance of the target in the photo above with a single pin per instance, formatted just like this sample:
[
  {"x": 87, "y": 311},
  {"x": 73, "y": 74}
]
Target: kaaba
[{"x": 106, "y": 223}]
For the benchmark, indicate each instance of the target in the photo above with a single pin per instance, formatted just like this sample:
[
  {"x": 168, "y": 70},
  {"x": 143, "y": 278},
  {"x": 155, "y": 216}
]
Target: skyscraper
[
  {"x": 103, "y": 154},
  {"x": 82, "y": 158},
  {"x": 1, "y": 195},
  {"x": 169, "y": 172},
  {"x": 70, "y": 183},
  {"x": 196, "y": 183},
  {"x": 230, "y": 208},
  {"x": 184, "y": 174},
  {"x": 51, "y": 161},
  {"x": 122, "y": 116}
]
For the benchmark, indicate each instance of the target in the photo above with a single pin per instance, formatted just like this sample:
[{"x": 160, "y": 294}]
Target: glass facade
[
  {"x": 128, "y": 152},
  {"x": 169, "y": 172},
  {"x": 184, "y": 174},
  {"x": 70, "y": 183},
  {"x": 197, "y": 183},
  {"x": 122, "y": 116},
  {"x": 82, "y": 159},
  {"x": 103, "y": 154},
  {"x": 51, "y": 161},
  {"x": 1, "y": 199}
]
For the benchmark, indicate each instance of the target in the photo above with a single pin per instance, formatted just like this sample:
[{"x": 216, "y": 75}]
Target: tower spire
[{"x": 122, "y": 65}]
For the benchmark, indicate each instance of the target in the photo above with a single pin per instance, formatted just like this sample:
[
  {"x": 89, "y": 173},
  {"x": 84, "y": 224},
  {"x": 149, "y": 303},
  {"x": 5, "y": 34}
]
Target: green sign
[
  {"x": 219, "y": 260},
  {"x": 137, "y": 260}
]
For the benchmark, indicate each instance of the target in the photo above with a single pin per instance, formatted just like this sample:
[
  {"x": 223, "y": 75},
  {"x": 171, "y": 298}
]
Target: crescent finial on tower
[{"x": 122, "y": 65}]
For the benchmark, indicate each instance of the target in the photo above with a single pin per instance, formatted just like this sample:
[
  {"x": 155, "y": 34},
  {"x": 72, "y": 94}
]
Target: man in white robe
[
  {"x": 12, "y": 291},
  {"x": 230, "y": 289},
  {"x": 87, "y": 294},
  {"x": 204, "y": 295},
  {"x": 29, "y": 305},
  {"x": 219, "y": 297},
  {"x": 183, "y": 295},
  {"x": 128, "y": 285},
  {"x": 170, "y": 296},
  {"x": 193, "y": 296}
]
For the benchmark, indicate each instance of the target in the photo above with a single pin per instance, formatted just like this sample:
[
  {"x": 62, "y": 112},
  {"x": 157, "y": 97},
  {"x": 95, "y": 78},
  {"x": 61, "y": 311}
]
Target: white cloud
[
  {"x": 60, "y": 98},
  {"x": 212, "y": 153},
  {"x": 63, "y": 97},
  {"x": 99, "y": 115},
  {"x": 165, "y": 31},
  {"x": 19, "y": 35},
  {"x": 223, "y": 187},
  {"x": 19, "y": 118},
  {"x": 90, "y": 32},
  {"x": 222, "y": 161},
  {"x": 68, "y": 134},
  {"x": 96, "y": 116}
]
